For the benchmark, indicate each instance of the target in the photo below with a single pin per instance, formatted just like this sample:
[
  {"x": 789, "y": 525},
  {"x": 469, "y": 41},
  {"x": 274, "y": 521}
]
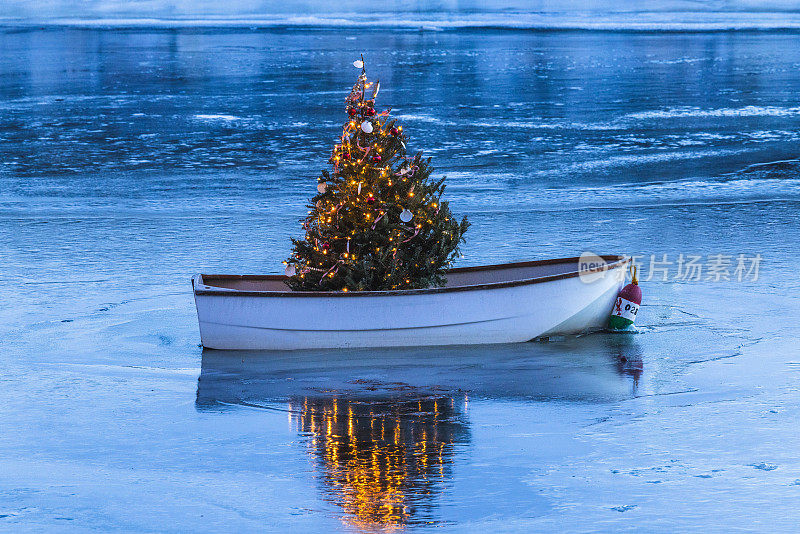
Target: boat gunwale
[{"x": 614, "y": 260}]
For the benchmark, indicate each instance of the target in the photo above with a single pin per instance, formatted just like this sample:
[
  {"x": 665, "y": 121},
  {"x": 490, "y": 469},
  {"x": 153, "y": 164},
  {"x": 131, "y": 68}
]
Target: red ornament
[
  {"x": 346, "y": 156},
  {"x": 370, "y": 199},
  {"x": 369, "y": 112},
  {"x": 376, "y": 158},
  {"x": 394, "y": 131},
  {"x": 352, "y": 112},
  {"x": 326, "y": 246}
]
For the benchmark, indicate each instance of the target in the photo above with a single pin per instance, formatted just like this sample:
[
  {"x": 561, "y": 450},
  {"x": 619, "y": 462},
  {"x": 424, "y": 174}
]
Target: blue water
[{"x": 132, "y": 159}]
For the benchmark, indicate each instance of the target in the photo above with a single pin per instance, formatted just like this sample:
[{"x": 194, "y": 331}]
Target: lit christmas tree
[{"x": 377, "y": 222}]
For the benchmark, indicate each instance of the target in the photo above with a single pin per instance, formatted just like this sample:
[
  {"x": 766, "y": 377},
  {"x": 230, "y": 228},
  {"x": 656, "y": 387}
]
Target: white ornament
[
  {"x": 359, "y": 188},
  {"x": 366, "y": 127},
  {"x": 290, "y": 270},
  {"x": 358, "y": 64},
  {"x": 322, "y": 187},
  {"x": 406, "y": 215}
]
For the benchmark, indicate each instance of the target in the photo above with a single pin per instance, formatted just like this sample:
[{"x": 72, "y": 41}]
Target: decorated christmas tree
[{"x": 378, "y": 222}]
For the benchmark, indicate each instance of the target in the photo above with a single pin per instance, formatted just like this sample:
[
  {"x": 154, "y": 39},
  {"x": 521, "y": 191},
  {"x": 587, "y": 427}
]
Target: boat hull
[{"x": 480, "y": 314}]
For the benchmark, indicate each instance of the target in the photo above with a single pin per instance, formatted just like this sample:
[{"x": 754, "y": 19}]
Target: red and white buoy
[{"x": 627, "y": 305}]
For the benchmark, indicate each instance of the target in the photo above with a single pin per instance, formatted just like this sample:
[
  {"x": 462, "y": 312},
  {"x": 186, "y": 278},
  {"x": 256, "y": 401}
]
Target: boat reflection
[
  {"x": 384, "y": 428},
  {"x": 383, "y": 462}
]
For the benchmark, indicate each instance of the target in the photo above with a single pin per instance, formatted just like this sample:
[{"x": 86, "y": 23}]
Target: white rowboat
[{"x": 513, "y": 302}]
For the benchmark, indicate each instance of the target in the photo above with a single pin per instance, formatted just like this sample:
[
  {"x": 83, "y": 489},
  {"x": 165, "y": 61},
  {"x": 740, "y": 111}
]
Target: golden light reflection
[{"x": 383, "y": 462}]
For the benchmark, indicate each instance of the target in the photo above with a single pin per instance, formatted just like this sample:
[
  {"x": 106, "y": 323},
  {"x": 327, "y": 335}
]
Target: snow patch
[
  {"x": 607, "y": 17},
  {"x": 226, "y": 118},
  {"x": 695, "y": 112}
]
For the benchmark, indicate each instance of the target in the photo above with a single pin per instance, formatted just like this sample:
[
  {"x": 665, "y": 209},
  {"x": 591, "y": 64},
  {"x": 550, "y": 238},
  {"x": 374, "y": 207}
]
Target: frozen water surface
[{"x": 131, "y": 159}]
